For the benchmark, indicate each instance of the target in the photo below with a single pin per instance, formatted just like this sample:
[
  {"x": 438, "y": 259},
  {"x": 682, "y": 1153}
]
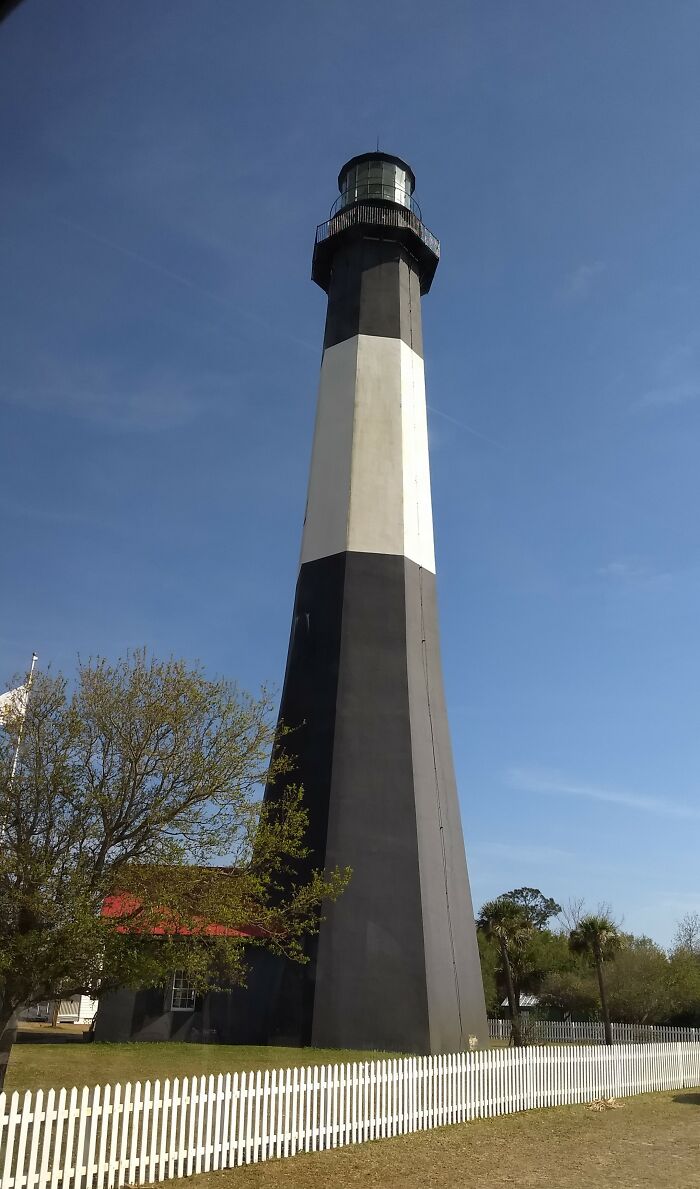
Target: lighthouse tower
[{"x": 395, "y": 965}]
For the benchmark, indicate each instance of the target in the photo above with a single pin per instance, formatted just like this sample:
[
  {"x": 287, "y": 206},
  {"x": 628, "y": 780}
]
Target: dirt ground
[
  {"x": 37, "y": 1029},
  {"x": 651, "y": 1142}
]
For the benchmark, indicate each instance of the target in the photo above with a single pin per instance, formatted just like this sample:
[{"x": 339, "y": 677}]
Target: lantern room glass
[{"x": 373, "y": 179}]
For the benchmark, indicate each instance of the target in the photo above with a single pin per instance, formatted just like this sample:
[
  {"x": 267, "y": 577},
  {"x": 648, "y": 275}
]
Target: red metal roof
[{"x": 124, "y": 904}]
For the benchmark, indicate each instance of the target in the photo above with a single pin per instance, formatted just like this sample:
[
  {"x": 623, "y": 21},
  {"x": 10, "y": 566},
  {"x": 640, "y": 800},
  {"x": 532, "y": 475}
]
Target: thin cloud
[
  {"x": 580, "y": 283},
  {"x": 621, "y": 569},
  {"x": 676, "y": 379},
  {"x": 534, "y": 780},
  {"x": 682, "y": 901},
  {"x": 268, "y": 325},
  {"x": 670, "y": 395},
  {"x": 467, "y": 428},
  {"x": 631, "y": 572},
  {"x": 17, "y": 509},
  {"x": 531, "y": 855},
  {"x": 158, "y": 399}
]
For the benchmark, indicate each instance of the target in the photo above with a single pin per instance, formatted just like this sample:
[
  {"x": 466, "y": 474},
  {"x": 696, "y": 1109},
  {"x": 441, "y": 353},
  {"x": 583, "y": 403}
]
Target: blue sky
[{"x": 164, "y": 167}]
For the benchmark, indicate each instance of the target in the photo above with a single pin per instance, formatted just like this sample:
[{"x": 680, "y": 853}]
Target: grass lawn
[
  {"x": 41, "y": 1066},
  {"x": 44, "y": 1065},
  {"x": 652, "y": 1142}
]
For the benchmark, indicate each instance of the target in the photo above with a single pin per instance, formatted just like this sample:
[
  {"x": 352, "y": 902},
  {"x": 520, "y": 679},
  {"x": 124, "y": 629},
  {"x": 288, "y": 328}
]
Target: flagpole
[{"x": 30, "y": 678}]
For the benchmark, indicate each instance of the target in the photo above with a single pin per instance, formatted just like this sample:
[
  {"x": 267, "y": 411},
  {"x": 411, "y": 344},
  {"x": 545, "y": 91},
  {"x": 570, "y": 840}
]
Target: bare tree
[
  {"x": 570, "y": 915},
  {"x": 687, "y": 935}
]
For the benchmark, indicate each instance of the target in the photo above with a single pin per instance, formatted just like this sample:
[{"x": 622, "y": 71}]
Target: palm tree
[
  {"x": 599, "y": 937},
  {"x": 510, "y": 926}
]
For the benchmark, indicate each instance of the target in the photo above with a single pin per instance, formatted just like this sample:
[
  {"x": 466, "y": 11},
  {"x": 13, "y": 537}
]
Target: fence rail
[
  {"x": 566, "y": 1031},
  {"x": 135, "y": 1134}
]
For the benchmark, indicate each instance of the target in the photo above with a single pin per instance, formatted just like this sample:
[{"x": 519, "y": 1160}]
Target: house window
[{"x": 183, "y": 993}]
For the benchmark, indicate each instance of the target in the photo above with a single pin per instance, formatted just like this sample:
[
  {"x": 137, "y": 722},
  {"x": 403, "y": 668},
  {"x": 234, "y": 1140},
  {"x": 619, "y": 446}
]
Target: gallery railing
[{"x": 378, "y": 215}]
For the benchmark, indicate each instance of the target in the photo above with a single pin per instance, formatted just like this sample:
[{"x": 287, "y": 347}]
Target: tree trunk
[
  {"x": 513, "y": 1001},
  {"x": 607, "y": 1026},
  {"x": 8, "y": 1033},
  {"x": 55, "y": 1009}
]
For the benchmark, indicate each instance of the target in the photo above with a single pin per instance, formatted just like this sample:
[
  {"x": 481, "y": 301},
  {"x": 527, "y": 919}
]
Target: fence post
[{"x": 680, "y": 1080}]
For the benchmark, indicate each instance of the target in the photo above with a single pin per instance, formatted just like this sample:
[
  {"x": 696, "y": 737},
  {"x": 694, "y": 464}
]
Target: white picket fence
[
  {"x": 136, "y": 1134},
  {"x": 567, "y": 1031}
]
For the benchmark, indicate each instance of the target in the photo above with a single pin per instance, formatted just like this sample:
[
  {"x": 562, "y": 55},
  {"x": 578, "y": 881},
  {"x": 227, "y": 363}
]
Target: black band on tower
[{"x": 374, "y": 289}]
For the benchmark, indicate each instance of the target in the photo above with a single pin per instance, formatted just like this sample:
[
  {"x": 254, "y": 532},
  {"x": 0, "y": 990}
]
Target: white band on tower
[{"x": 369, "y": 486}]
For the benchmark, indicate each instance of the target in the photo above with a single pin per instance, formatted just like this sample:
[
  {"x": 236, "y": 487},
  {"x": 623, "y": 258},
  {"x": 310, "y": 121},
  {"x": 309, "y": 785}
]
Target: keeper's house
[{"x": 176, "y": 1012}]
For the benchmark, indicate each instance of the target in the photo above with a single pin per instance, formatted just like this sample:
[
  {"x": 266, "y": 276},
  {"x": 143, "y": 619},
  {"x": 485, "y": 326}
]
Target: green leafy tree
[
  {"x": 685, "y": 975},
  {"x": 571, "y": 992},
  {"x": 539, "y": 908},
  {"x": 685, "y": 966},
  {"x": 642, "y": 985},
  {"x": 542, "y": 951},
  {"x": 145, "y": 779},
  {"x": 598, "y": 937},
  {"x": 489, "y": 959},
  {"x": 509, "y": 926}
]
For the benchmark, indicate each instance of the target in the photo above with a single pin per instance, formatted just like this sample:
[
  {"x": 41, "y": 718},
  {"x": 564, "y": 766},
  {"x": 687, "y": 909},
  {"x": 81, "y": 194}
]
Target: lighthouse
[{"x": 395, "y": 965}]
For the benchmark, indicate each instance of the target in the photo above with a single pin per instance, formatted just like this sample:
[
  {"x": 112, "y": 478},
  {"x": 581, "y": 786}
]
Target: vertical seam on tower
[
  {"x": 348, "y": 521},
  {"x": 441, "y": 827},
  {"x": 413, "y": 415}
]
